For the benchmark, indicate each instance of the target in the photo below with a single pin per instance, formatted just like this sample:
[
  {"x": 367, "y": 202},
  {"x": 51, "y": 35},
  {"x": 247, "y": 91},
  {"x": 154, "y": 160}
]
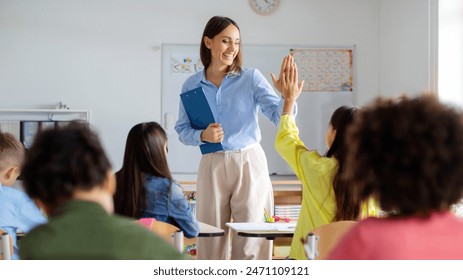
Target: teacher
[{"x": 232, "y": 184}]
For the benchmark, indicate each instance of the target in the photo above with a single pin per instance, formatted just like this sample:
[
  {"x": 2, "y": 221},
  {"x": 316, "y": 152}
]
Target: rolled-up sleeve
[
  {"x": 270, "y": 103},
  {"x": 288, "y": 144}
]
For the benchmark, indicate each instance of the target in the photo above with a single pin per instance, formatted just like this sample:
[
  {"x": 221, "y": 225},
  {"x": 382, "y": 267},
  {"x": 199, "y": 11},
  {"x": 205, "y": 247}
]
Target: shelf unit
[
  {"x": 287, "y": 189},
  {"x": 10, "y": 119},
  {"x": 44, "y": 114}
]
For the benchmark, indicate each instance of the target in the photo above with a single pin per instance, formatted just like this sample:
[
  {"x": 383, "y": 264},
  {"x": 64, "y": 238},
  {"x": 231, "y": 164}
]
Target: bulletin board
[{"x": 325, "y": 70}]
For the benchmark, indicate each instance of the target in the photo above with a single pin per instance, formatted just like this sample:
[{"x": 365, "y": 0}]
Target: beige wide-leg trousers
[{"x": 234, "y": 185}]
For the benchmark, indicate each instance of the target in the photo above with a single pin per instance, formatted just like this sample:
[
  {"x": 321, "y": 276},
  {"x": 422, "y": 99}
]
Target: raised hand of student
[
  {"x": 285, "y": 64},
  {"x": 291, "y": 87},
  {"x": 213, "y": 133}
]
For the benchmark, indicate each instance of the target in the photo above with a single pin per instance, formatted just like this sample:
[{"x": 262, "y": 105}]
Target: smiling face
[{"x": 224, "y": 47}]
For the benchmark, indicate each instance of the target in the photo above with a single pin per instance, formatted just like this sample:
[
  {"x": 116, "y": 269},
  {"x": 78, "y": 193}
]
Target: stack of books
[{"x": 290, "y": 211}]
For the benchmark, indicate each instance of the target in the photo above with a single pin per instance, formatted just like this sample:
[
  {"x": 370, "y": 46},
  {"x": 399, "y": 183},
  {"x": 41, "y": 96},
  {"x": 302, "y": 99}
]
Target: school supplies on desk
[
  {"x": 267, "y": 217},
  {"x": 281, "y": 219},
  {"x": 200, "y": 115}
]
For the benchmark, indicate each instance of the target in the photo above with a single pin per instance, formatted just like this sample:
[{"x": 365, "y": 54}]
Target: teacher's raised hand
[
  {"x": 291, "y": 87},
  {"x": 278, "y": 84}
]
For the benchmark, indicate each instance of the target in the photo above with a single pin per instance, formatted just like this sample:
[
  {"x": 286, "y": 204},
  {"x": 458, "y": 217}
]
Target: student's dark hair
[
  {"x": 213, "y": 27},
  {"x": 407, "y": 153},
  {"x": 347, "y": 207},
  {"x": 144, "y": 154},
  {"x": 62, "y": 160},
  {"x": 11, "y": 150}
]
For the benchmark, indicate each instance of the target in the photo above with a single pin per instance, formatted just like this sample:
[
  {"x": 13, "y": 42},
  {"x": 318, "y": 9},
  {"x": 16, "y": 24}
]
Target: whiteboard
[{"x": 314, "y": 108}]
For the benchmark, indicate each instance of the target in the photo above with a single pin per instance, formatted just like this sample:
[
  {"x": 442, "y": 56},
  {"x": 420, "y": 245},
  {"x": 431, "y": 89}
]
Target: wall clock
[{"x": 264, "y": 7}]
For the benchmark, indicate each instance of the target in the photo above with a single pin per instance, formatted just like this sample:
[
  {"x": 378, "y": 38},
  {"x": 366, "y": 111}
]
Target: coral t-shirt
[{"x": 440, "y": 236}]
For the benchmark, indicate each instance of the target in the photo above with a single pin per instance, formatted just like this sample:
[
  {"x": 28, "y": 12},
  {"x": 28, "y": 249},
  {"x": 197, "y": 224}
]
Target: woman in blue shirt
[
  {"x": 233, "y": 183},
  {"x": 145, "y": 187}
]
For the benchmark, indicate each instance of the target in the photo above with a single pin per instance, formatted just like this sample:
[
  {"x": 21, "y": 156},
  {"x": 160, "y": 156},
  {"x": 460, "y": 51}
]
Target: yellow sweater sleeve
[
  {"x": 302, "y": 161},
  {"x": 315, "y": 172},
  {"x": 288, "y": 144}
]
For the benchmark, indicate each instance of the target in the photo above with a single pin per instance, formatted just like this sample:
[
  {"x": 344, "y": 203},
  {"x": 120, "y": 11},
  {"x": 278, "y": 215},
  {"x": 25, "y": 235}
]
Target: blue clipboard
[{"x": 200, "y": 115}]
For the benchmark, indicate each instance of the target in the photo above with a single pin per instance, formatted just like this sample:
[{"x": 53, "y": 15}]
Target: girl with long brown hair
[{"x": 145, "y": 187}]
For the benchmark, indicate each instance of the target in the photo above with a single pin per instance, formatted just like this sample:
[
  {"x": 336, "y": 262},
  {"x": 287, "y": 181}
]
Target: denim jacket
[{"x": 171, "y": 208}]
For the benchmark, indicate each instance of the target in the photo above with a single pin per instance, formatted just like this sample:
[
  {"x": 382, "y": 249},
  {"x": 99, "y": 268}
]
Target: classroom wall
[{"x": 105, "y": 55}]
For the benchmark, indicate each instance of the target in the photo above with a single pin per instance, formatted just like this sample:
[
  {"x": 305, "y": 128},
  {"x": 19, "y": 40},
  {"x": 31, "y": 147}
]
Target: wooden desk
[
  {"x": 206, "y": 230},
  {"x": 269, "y": 231}
]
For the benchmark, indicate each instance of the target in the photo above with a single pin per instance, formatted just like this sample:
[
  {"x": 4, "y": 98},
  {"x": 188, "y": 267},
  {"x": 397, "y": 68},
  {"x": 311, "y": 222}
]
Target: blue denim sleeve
[{"x": 179, "y": 210}]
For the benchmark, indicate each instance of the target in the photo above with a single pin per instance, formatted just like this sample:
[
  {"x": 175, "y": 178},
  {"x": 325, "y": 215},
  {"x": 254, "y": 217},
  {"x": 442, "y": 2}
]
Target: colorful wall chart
[
  {"x": 325, "y": 70},
  {"x": 185, "y": 64}
]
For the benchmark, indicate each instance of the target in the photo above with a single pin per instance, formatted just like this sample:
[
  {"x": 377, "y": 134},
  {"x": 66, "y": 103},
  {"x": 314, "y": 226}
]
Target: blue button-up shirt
[
  {"x": 235, "y": 106},
  {"x": 17, "y": 212},
  {"x": 167, "y": 203}
]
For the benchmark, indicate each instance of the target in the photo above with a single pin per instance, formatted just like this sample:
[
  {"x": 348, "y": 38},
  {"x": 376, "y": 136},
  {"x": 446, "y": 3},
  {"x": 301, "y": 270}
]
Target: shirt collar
[
  {"x": 229, "y": 75},
  {"x": 233, "y": 74},
  {"x": 203, "y": 77}
]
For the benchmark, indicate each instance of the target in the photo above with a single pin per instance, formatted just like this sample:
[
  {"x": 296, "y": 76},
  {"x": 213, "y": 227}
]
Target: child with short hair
[
  {"x": 17, "y": 210},
  {"x": 68, "y": 172}
]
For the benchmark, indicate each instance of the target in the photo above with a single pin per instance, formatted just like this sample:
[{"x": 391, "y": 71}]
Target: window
[{"x": 450, "y": 53}]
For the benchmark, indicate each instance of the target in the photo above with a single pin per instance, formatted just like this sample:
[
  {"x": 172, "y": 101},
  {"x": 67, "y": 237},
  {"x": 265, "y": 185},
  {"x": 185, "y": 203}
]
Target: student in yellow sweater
[{"x": 325, "y": 196}]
